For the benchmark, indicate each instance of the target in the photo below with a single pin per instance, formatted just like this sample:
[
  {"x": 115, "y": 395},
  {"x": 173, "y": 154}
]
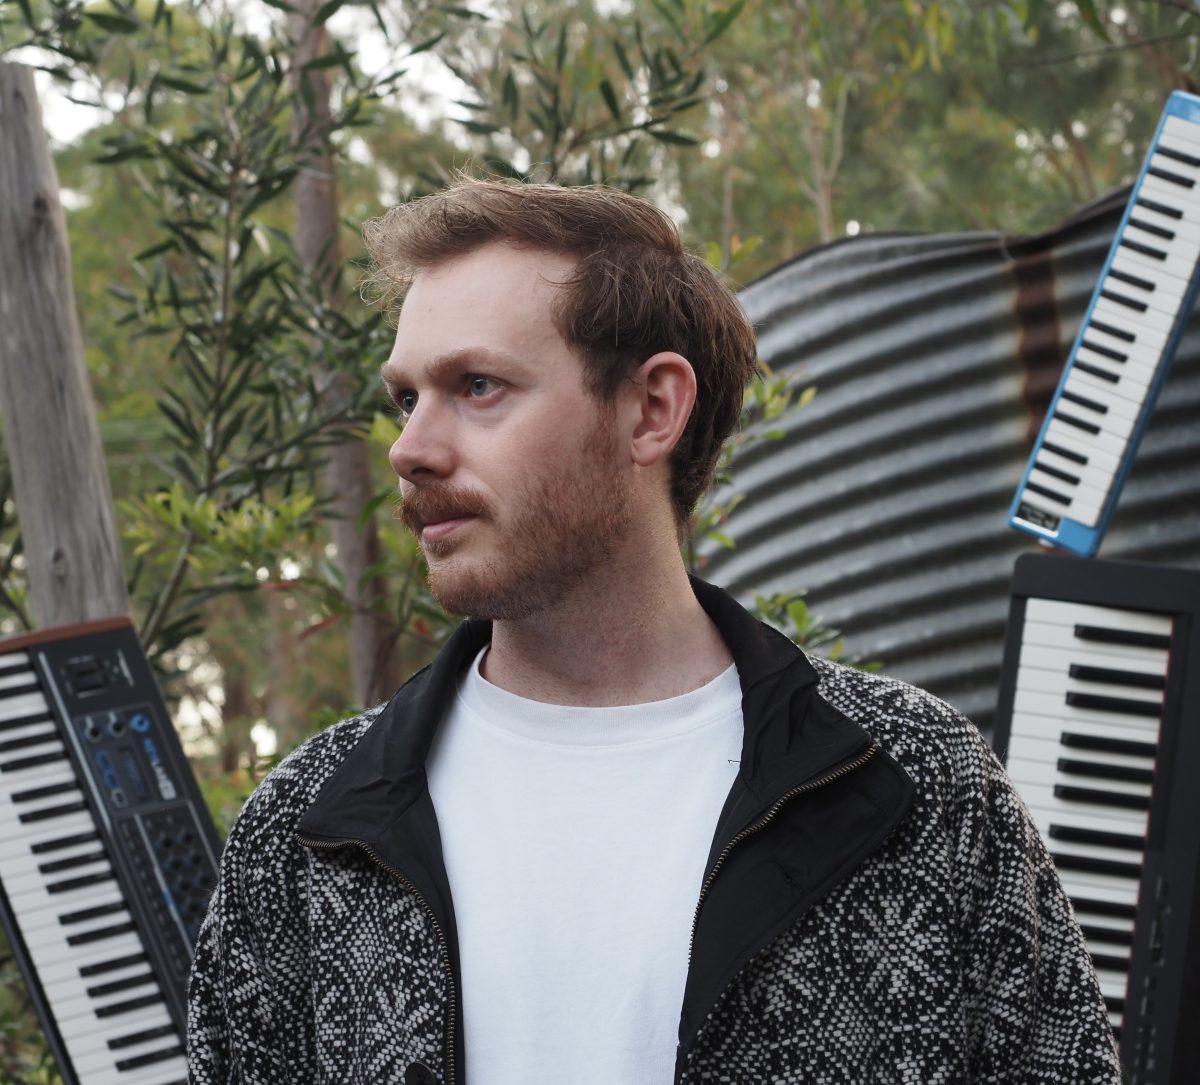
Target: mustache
[{"x": 442, "y": 502}]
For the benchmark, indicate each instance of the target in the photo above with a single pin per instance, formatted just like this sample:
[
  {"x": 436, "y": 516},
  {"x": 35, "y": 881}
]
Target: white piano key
[
  {"x": 1059, "y": 612},
  {"x": 1082, "y": 494},
  {"x": 1166, "y": 305},
  {"x": 14, "y": 659},
  {"x": 24, "y": 677},
  {"x": 1136, "y": 354},
  {"x": 91, "y": 1063},
  {"x": 1181, "y": 249},
  {"x": 1112, "y": 984},
  {"x": 1151, "y": 327},
  {"x": 73, "y": 1001},
  {"x": 1182, "y": 170},
  {"x": 52, "y": 772},
  {"x": 1032, "y": 724},
  {"x": 1037, "y": 773},
  {"x": 1050, "y": 704},
  {"x": 1060, "y": 659},
  {"x": 1084, "y": 384},
  {"x": 1162, "y": 286},
  {"x": 1138, "y": 368},
  {"x": 1065, "y": 437},
  {"x": 68, "y": 966},
  {"x": 27, "y": 704},
  {"x": 1048, "y": 680},
  {"x": 1172, "y": 267},
  {"x": 1182, "y": 132},
  {"x": 1185, "y": 200},
  {"x": 153, "y": 1019},
  {"x": 1038, "y": 635},
  {"x": 1114, "y": 425},
  {"x": 1187, "y": 228}
]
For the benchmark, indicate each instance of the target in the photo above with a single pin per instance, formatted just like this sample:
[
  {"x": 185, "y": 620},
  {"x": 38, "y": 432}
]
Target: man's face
[{"x": 511, "y": 474}]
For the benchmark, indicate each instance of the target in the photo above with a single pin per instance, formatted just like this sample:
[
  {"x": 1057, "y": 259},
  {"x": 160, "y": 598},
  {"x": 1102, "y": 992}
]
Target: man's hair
[{"x": 635, "y": 291}]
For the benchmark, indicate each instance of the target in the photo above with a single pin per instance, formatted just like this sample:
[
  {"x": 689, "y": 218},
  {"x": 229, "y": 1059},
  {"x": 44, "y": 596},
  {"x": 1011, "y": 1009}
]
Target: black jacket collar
[{"x": 776, "y": 868}]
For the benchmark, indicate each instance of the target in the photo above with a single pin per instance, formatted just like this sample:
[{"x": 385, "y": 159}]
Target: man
[{"x": 618, "y": 832}]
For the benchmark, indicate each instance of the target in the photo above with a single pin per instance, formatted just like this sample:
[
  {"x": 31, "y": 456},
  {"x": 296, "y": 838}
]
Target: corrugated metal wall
[{"x": 886, "y": 499}]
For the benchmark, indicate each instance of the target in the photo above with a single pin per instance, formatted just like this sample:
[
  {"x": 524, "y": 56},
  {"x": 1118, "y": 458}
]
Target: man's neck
[{"x": 630, "y": 636}]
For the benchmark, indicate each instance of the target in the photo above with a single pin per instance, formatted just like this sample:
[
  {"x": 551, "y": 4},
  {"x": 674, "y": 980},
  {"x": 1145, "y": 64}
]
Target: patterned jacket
[{"x": 878, "y": 907}]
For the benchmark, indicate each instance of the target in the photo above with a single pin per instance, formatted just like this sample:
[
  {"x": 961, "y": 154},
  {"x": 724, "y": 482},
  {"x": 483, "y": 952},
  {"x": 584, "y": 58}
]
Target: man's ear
[{"x": 666, "y": 391}]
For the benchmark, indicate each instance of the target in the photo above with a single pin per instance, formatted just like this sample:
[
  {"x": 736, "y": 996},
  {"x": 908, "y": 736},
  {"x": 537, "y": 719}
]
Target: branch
[{"x": 1103, "y": 50}]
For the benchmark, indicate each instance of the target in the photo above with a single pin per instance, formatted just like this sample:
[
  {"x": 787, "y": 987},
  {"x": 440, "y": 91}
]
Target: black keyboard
[
  {"x": 1099, "y": 726},
  {"x": 107, "y": 853}
]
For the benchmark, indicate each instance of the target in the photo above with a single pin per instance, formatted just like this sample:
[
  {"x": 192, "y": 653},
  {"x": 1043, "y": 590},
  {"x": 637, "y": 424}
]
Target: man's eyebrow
[{"x": 448, "y": 364}]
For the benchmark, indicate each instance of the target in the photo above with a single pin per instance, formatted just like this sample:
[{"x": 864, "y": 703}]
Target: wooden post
[{"x": 64, "y": 502}]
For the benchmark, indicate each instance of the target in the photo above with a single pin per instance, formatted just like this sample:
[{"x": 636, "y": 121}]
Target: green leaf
[
  {"x": 721, "y": 539},
  {"x": 325, "y": 11},
  {"x": 797, "y": 612},
  {"x": 678, "y": 139},
  {"x": 114, "y": 24},
  {"x": 723, "y": 20},
  {"x": 427, "y": 44},
  {"x": 1087, "y": 10},
  {"x": 176, "y": 82},
  {"x": 610, "y": 99}
]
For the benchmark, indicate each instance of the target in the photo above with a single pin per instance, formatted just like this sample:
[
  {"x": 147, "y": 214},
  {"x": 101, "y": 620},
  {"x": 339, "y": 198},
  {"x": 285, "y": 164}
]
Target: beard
[{"x": 558, "y": 528}]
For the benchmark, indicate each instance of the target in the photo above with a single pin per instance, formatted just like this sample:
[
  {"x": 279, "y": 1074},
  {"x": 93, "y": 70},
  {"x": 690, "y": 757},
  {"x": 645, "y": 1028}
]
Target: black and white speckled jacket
[{"x": 879, "y": 908}]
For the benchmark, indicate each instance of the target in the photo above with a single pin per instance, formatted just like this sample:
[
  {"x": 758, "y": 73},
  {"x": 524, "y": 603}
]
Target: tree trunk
[
  {"x": 375, "y": 671},
  {"x": 64, "y": 502}
]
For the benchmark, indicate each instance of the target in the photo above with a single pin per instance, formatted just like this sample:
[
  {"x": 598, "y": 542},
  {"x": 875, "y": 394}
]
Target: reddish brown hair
[{"x": 635, "y": 292}]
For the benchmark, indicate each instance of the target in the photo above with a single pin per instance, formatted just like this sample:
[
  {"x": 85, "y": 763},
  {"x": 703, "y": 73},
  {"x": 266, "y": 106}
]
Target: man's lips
[{"x": 435, "y": 530}]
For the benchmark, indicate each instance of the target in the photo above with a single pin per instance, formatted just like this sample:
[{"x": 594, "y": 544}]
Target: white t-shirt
[{"x": 575, "y": 841}]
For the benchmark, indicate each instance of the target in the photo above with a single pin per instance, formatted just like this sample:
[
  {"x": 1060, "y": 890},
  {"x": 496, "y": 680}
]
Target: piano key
[
  {"x": 1159, "y": 268},
  {"x": 1048, "y": 680},
  {"x": 1031, "y": 702},
  {"x": 1119, "y": 792},
  {"x": 1153, "y": 213},
  {"x": 1099, "y": 838},
  {"x": 96, "y": 961},
  {"x": 1120, "y": 668},
  {"x": 1150, "y": 328},
  {"x": 1070, "y": 614},
  {"x": 1039, "y": 796},
  {"x": 1090, "y": 387},
  {"x": 1101, "y": 743}
]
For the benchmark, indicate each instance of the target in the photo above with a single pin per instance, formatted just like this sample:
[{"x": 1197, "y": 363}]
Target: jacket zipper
[
  {"x": 451, "y": 1078},
  {"x": 766, "y": 819}
]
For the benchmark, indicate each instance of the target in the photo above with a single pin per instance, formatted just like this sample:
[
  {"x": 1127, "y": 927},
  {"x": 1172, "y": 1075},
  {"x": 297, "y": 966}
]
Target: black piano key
[
  {"x": 1114, "y": 331},
  {"x": 14, "y": 668},
  {"x": 47, "y": 846},
  {"x": 113, "y": 965},
  {"x": 1132, "y": 637},
  {"x": 1151, "y": 228},
  {"x": 1072, "y": 834},
  {"x": 19, "y": 691},
  {"x": 1161, "y": 208},
  {"x": 1056, "y": 472},
  {"x": 25, "y": 741},
  {"x": 1108, "y": 745},
  {"x": 1114, "y": 1005},
  {"x": 1106, "y": 352},
  {"x": 1121, "y": 299},
  {"x": 1087, "y": 864},
  {"x": 112, "y": 987},
  {"x": 1078, "y": 423},
  {"x": 1145, "y": 250},
  {"x": 118, "y": 1008},
  {"x": 1140, "y": 679},
  {"x": 1104, "y": 703},
  {"x": 1104, "y": 770},
  {"x": 1105, "y": 907},
  {"x": 150, "y": 1058},
  {"x": 1066, "y": 453},
  {"x": 146, "y": 1034},
  {"x": 35, "y": 793},
  {"x": 1110, "y": 962},
  {"x": 24, "y": 721},
  {"x": 1083, "y": 401},
  {"x": 1096, "y": 371},
  {"x": 101, "y": 934},
  {"x": 1132, "y": 280},
  {"x": 1101, "y": 798},
  {"x": 56, "y": 866},
  {"x": 85, "y": 914},
  {"x": 20, "y": 764},
  {"x": 1171, "y": 178},
  {"x": 1106, "y": 934},
  {"x": 49, "y": 813},
  {"x": 1045, "y": 491},
  {"x": 80, "y": 883},
  {"x": 1179, "y": 156}
]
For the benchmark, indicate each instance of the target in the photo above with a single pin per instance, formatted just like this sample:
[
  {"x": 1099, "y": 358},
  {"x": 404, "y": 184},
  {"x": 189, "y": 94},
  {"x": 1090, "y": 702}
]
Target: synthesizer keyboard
[
  {"x": 107, "y": 853},
  {"x": 1099, "y": 728},
  {"x": 1125, "y": 343}
]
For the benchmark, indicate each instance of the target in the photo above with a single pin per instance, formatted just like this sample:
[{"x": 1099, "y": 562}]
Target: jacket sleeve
[
  {"x": 1036, "y": 1011},
  {"x": 247, "y": 996}
]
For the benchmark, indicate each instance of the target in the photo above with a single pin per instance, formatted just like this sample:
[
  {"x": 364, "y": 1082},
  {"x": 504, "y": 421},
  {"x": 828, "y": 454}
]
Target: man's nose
[{"x": 423, "y": 449}]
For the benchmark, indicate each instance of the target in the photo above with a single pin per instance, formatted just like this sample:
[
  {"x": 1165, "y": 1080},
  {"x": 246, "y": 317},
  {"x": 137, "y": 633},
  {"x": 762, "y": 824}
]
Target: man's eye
[
  {"x": 478, "y": 387},
  {"x": 406, "y": 403}
]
